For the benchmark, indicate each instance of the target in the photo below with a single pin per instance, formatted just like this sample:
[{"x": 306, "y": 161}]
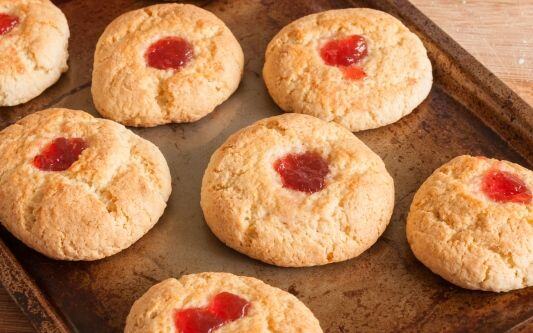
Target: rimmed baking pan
[{"x": 469, "y": 111}]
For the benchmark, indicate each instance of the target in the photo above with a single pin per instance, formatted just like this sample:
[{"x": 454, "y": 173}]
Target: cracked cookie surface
[
  {"x": 34, "y": 51},
  {"x": 272, "y": 310},
  {"x": 247, "y": 206},
  {"x": 126, "y": 89},
  {"x": 397, "y": 69},
  {"x": 104, "y": 202},
  {"x": 461, "y": 234}
]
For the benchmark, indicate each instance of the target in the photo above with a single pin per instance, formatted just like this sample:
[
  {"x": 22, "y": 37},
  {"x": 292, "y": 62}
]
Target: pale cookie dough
[
  {"x": 104, "y": 202},
  {"x": 399, "y": 75},
  {"x": 272, "y": 310},
  {"x": 458, "y": 232},
  {"x": 247, "y": 207},
  {"x": 127, "y": 90},
  {"x": 34, "y": 52}
]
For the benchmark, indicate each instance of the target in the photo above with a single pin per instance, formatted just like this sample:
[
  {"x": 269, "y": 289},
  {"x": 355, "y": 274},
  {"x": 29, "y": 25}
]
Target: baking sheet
[{"x": 384, "y": 290}]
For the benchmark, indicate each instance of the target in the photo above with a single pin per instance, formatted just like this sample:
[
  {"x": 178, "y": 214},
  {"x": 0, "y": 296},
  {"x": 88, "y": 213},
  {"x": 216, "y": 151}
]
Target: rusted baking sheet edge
[
  {"x": 35, "y": 305},
  {"x": 502, "y": 110},
  {"x": 468, "y": 81}
]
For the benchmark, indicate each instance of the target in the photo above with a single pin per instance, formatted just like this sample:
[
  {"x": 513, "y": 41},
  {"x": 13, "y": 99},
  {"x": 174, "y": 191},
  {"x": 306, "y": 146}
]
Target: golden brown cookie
[
  {"x": 233, "y": 304},
  {"x": 165, "y": 63},
  {"x": 293, "y": 190},
  {"x": 471, "y": 222},
  {"x": 359, "y": 67},
  {"x": 33, "y": 48},
  {"x": 75, "y": 187}
]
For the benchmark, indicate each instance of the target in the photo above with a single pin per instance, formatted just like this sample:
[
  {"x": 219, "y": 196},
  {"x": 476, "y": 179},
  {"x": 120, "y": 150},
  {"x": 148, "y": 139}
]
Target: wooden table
[{"x": 497, "y": 32}]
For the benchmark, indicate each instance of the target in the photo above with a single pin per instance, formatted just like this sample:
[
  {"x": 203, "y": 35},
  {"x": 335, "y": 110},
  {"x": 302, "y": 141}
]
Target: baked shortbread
[
  {"x": 293, "y": 190},
  {"x": 220, "y": 302},
  {"x": 471, "y": 222},
  {"x": 33, "y": 48},
  {"x": 76, "y": 187},
  {"x": 165, "y": 63},
  {"x": 359, "y": 67}
]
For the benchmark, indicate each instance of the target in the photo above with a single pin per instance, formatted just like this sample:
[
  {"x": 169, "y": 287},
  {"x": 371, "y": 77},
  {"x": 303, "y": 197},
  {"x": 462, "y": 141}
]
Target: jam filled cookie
[
  {"x": 359, "y": 67},
  {"x": 471, "y": 223},
  {"x": 293, "y": 190},
  {"x": 163, "y": 64},
  {"x": 33, "y": 48},
  {"x": 75, "y": 187},
  {"x": 205, "y": 302}
]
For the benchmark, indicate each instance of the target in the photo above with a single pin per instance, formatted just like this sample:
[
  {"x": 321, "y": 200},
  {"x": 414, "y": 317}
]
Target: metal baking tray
[{"x": 469, "y": 111}]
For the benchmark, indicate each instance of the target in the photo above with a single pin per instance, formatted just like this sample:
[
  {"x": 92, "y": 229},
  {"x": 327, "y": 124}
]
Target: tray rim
[
  {"x": 45, "y": 317},
  {"x": 32, "y": 301}
]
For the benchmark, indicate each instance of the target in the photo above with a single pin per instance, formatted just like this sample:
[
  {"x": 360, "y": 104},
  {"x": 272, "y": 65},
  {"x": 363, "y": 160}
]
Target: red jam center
[
  {"x": 224, "y": 308},
  {"x": 302, "y": 172},
  {"x": 169, "y": 53},
  {"x": 60, "y": 154},
  {"x": 346, "y": 53},
  {"x": 502, "y": 186},
  {"x": 7, "y": 23}
]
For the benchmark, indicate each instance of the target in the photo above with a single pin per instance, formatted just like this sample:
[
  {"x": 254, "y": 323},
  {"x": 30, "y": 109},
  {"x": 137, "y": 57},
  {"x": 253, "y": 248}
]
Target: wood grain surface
[{"x": 497, "y": 32}]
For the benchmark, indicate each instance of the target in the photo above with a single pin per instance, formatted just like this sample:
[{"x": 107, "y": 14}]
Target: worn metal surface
[{"x": 384, "y": 290}]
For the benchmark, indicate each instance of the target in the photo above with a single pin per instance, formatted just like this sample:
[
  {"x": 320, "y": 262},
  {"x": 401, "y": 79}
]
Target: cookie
[
  {"x": 293, "y": 190},
  {"x": 219, "y": 300},
  {"x": 359, "y": 67},
  {"x": 471, "y": 222},
  {"x": 34, "y": 38},
  {"x": 75, "y": 187},
  {"x": 170, "y": 63}
]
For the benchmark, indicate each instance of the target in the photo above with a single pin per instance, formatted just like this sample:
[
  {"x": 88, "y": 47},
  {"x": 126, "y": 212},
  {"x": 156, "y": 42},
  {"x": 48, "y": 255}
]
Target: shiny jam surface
[
  {"x": 169, "y": 53},
  {"x": 503, "y": 186},
  {"x": 302, "y": 172},
  {"x": 223, "y": 308},
  {"x": 60, "y": 154},
  {"x": 7, "y": 23},
  {"x": 346, "y": 53}
]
